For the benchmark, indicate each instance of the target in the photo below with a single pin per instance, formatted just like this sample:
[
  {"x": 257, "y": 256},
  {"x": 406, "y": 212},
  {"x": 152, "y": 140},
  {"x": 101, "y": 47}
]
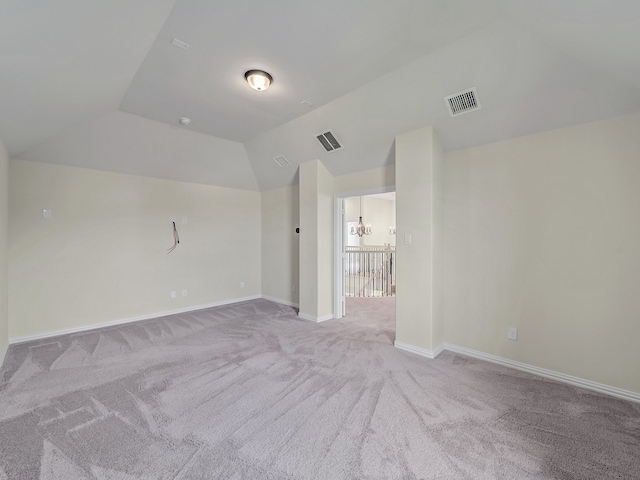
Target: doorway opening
[{"x": 365, "y": 249}]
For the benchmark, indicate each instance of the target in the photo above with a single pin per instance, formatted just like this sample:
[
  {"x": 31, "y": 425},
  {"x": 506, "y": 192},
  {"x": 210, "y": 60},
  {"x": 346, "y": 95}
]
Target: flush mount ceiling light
[{"x": 258, "y": 80}]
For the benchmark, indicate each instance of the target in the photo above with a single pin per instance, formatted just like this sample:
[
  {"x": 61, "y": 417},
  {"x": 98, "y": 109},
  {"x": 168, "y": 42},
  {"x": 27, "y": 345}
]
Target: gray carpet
[{"x": 249, "y": 391}]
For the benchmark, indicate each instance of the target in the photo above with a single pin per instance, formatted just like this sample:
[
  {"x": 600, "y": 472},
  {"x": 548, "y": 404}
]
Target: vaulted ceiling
[{"x": 99, "y": 84}]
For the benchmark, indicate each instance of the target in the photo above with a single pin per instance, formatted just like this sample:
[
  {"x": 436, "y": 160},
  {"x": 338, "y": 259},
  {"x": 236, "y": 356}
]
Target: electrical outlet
[
  {"x": 512, "y": 333},
  {"x": 241, "y": 284},
  {"x": 184, "y": 219},
  {"x": 173, "y": 294},
  {"x": 184, "y": 293}
]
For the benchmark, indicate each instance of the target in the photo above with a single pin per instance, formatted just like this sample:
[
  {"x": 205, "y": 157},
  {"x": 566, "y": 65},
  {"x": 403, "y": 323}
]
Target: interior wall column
[
  {"x": 4, "y": 242},
  {"x": 419, "y": 223},
  {"x": 316, "y": 242}
]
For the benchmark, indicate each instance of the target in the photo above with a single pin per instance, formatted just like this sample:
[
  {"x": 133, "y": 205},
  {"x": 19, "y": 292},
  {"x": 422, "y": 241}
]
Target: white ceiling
[{"x": 98, "y": 84}]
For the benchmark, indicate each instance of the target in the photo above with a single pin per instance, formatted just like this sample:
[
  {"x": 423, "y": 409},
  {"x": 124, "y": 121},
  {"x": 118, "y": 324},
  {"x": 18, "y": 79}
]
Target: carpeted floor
[{"x": 249, "y": 391}]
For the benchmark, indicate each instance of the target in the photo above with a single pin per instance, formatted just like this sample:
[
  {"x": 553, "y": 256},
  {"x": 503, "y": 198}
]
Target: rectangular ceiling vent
[
  {"x": 180, "y": 44},
  {"x": 281, "y": 161},
  {"x": 329, "y": 141},
  {"x": 463, "y": 102}
]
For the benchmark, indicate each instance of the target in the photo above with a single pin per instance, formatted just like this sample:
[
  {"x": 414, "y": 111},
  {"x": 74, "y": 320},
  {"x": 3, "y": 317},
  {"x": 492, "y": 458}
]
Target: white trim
[
  {"x": 543, "y": 372},
  {"x": 420, "y": 351},
  {"x": 338, "y": 248},
  {"x": 311, "y": 318},
  {"x": 278, "y": 300},
  {"x": 66, "y": 331}
]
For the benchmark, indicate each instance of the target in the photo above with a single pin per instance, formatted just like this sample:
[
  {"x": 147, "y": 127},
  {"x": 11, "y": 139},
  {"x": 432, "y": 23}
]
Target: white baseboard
[
  {"x": 278, "y": 300},
  {"x": 311, "y": 318},
  {"x": 543, "y": 372},
  {"x": 66, "y": 331},
  {"x": 419, "y": 351}
]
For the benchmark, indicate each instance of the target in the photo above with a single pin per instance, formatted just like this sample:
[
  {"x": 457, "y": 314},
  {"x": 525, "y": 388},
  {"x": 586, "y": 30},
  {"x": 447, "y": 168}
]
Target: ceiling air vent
[
  {"x": 329, "y": 141},
  {"x": 281, "y": 161},
  {"x": 463, "y": 102},
  {"x": 180, "y": 44}
]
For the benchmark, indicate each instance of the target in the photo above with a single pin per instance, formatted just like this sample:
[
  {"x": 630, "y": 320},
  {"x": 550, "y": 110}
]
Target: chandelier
[{"x": 361, "y": 229}]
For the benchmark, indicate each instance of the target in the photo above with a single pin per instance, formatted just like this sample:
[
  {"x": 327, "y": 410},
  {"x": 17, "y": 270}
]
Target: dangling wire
[{"x": 176, "y": 239}]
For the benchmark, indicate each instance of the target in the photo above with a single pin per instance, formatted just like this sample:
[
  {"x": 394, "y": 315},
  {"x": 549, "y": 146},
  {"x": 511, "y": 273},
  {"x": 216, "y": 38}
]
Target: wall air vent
[
  {"x": 281, "y": 161},
  {"x": 463, "y": 102},
  {"x": 329, "y": 141}
]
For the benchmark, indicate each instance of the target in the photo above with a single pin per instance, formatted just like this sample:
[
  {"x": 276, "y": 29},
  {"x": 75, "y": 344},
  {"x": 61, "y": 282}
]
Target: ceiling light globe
[{"x": 258, "y": 80}]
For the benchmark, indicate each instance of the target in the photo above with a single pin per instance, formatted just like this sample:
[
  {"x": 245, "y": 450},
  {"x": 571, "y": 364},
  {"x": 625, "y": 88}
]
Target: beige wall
[
  {"x": 316, "y": 241},
  {"x": 374, "y": 179},
  {"x": 437, "y": 241},
  {"x": 542, "y": 233},
  {"x": 280, "y": 244},
  {"x": 418, "y": 214},
  {"x": 102, "y": 256},
  {"x": 325, "y": 242},
  {"x": 4, "y": 228},
  {"x": 308, "y": 264}
]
